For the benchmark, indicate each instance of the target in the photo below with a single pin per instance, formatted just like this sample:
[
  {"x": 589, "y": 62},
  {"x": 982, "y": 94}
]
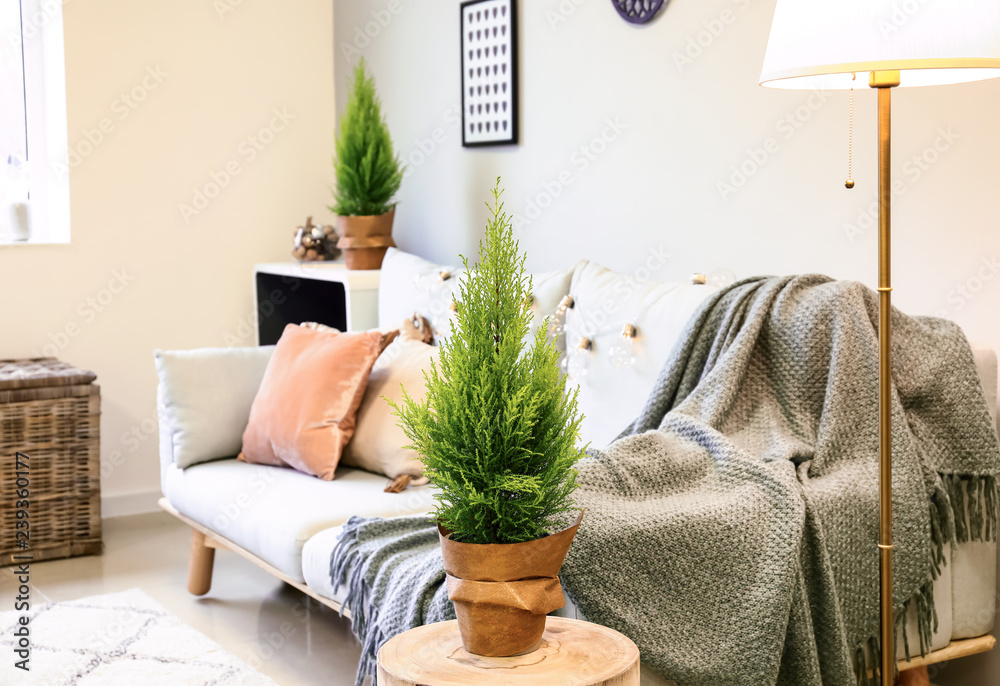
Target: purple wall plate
[{"x": 638, "y": 11}]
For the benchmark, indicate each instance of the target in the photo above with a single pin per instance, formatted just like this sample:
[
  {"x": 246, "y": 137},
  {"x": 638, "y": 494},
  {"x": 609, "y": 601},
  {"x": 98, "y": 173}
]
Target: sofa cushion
[
  {"x": 974, "y": 588},
  {"x": 273, "y": 511},
  {"x": 604, "y": 301},
  {"x": 379, "y": 443},
  {"x": 305, "y": 409},
  {"x": 409, "y": 284},
  {"x": 547, "y": 291},
  {"x": 204, "y": 400},
  {"x": 974, "y": 564},
  {"x": 316, "y": 554},
  {"x": 986, "y": 365}
]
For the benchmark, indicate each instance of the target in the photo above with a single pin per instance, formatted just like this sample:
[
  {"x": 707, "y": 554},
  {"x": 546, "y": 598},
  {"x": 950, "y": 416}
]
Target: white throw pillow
[
  {"x": 205, "y": 398},
  {"x": 378, "y": 444},
  {"x": 548, "y": 290},
  {"x": 612, "y": 397},
  {"x": 410, "y": 284}
]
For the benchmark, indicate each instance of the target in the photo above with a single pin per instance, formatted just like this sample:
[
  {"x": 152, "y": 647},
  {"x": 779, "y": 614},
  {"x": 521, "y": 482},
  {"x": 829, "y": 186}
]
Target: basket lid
[{"x": 39, "y": 372}]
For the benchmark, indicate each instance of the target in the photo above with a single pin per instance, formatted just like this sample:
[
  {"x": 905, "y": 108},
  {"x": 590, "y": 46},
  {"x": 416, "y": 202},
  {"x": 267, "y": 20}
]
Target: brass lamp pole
[
  {"x": 826, "y": 45},
  {"x": 885, "y": 81}
]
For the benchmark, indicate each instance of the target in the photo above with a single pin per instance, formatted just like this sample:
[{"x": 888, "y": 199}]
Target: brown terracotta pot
[
  {"x": 365, "y": 239},
  {"x": 502, "y": 592}
]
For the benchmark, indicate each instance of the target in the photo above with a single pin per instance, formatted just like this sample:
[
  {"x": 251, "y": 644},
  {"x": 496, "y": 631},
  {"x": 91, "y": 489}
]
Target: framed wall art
[{"x": 489, "y": 72}]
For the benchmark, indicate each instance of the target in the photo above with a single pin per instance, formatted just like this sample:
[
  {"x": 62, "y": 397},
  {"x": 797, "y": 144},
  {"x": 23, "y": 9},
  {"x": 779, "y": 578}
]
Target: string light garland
[
  {"x": 557, "y": 325},
  {"x": 622, "y": 354},
  {"x": 578, "y": 361}
]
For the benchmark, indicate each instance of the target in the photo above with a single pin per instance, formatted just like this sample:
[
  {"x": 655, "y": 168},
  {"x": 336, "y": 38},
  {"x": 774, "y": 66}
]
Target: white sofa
[{"x": 289, "y": 522}]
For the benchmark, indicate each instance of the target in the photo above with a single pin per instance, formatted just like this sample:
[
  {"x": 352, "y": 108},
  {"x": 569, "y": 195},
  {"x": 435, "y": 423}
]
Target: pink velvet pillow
[{"x": 304, "y": 412}]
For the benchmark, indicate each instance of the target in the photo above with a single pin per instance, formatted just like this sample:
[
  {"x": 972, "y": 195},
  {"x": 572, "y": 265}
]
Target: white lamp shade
[{"x": 819, "y": 44}]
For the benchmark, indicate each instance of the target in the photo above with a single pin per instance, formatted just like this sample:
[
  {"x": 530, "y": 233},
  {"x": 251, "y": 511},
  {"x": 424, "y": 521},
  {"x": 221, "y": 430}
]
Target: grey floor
[{"x": 278, "y": 630}]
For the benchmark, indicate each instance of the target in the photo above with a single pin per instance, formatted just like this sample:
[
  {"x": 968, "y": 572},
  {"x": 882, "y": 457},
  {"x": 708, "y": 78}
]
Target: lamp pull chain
[{"x": 850, "y": 135}]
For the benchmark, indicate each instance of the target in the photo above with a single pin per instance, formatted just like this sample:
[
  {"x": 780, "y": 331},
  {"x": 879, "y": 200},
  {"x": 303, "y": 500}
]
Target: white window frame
[{"x": 45, "y": 105}]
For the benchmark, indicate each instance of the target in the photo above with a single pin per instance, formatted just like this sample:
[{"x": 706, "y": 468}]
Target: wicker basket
[{"x": 51, "y": 411}]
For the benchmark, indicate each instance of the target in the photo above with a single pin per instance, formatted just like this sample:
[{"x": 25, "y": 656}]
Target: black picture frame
[{"x": 509, "y": 131}]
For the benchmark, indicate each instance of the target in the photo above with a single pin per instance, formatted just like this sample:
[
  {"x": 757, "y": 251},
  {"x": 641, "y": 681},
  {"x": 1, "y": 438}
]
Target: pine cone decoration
[{"x": 315, "y": 243}]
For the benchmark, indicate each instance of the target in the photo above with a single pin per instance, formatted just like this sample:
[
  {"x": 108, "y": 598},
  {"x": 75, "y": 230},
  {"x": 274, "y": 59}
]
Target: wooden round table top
[{"x": 572, "y": 653}]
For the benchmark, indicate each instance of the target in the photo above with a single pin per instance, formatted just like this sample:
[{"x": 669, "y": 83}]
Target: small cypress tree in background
[
  {"x": 497, "y": 431},
  {"x": 367, "y": 170}
]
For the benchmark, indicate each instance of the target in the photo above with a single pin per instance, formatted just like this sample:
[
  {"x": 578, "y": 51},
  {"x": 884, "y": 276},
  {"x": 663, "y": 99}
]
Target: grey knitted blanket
[
  {"x": 394, "y": 575},
  {"x": 733, "y": 526},
  {"x": 731, "y": 529}
]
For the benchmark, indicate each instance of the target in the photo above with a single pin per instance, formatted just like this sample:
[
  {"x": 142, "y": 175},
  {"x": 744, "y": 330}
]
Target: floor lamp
[{"x": 822, "y": 44}]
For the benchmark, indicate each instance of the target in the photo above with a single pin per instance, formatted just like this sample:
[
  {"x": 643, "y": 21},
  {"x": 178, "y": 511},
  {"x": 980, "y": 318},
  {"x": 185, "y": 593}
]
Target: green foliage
[
  {"x": 368, "y": 171},
  {"x": 497, "y": 431}
]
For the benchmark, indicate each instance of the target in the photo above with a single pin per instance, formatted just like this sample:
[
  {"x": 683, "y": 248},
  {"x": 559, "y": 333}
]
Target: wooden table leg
[
  {"x": 914, "y": 677},
  {"x": 200, "y": 564}
]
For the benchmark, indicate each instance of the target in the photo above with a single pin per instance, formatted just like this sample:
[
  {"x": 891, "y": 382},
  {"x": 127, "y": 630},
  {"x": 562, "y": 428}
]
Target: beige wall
[{"x": 184, "y": 90}]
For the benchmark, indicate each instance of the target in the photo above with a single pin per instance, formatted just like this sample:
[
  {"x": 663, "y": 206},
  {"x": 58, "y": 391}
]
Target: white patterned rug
[{"x": 125, "y": 639}]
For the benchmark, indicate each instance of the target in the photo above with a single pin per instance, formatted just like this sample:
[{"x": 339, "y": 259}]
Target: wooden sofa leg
[
  {"x": 200, "y": 564},
  {"x": 914, "y": 677}
]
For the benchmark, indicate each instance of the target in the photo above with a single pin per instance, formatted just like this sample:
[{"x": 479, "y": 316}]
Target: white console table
[{"x": 326, "y": 292}]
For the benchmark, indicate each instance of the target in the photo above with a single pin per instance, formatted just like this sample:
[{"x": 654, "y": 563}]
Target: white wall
[
  {"x": 656, "y": 184},
  {"x": 210, "y": 75}
]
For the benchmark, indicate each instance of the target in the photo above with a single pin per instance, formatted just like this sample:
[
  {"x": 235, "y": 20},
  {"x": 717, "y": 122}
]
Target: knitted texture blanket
[
  {"x": 731, "y": 529},
  {"x": 394, "y": 575}
]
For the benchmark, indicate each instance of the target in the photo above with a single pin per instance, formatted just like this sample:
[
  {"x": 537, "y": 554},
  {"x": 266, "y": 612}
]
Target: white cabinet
[{"x": 325, "y": 292}]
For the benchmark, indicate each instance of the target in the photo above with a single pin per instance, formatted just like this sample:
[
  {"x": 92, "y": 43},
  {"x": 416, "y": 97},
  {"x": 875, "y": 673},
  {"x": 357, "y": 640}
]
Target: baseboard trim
[{"x": 132, "y": 503}]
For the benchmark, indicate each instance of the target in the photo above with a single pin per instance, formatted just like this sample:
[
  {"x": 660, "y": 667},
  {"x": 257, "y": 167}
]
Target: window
[
  {"x": 34, "y": 183},
  {"x": 13, "y": 116}
]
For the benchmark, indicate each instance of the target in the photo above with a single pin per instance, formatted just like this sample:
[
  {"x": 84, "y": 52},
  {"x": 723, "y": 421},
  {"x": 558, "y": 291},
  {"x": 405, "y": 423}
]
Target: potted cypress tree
[
  {"x": 498, "y": 434},
  {"x": 368, "y": 176}
]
